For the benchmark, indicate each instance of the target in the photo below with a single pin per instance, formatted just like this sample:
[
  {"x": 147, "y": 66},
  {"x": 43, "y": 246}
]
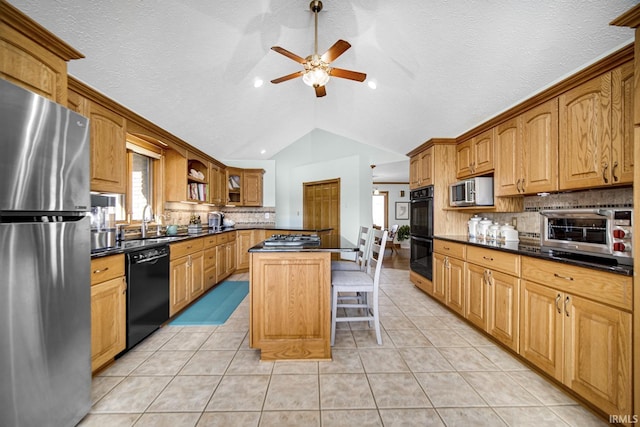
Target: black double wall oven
[{"x": 421, "y": 221}]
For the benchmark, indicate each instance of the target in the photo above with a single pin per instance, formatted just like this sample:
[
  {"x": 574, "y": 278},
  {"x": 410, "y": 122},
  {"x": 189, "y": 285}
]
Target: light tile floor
[{"x": 432, "y": 370}]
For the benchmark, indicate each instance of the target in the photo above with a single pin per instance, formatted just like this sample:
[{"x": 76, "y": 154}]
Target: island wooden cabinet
[
  {"x": 475, "y": 156},
  {"x": 596, "y": 141},
  {"x": 527, "y": 152},
  {"x": 290, "y": 305},
  {"x": 561, "y": 318},
  {"x": 186, "y": 268},
  {"x": 108, "y": 140},
  {"x": 421, "y": 169},
  {"x": 108, "y": 309}
]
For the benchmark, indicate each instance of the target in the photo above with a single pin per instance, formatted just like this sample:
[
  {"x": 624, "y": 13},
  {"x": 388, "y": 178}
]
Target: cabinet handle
[
  {"x": 558, "y": 298},
  {"x": 488, "y": 258},
  {"x": 446, "y": 248},
  {"x": 613, "y": 171},
  {"x": 100, "y": 271},
  {"x": 523, "y": 182},
  {"x": 518, "y": 185},
  {"x": 566, "y": 302},
  {"x": 563, "y": 277},
  {"x": 489, "y": 278},
  {"x": 604, "y": 173}
]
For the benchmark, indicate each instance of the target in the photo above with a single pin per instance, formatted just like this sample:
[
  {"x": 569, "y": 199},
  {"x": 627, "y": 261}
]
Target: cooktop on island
[{"x": 292, "y": 240}]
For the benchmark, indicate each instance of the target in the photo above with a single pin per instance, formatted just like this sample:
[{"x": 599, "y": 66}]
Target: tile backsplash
[
  {"x": 528, "y": 222},
  {"x": 180, "y": 213}
]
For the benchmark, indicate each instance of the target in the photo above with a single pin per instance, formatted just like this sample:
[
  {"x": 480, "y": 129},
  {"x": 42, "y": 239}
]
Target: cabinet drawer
[
  {"x": 456, "y": 250},
  {"x": 495, "y": 260},
  {"x": 223, "y": 238},
  {"x": 106, "y": 268},
  {"x": 209, "y": 258},
  {"x": 190, "y": 246},
  {"x": 231, "y": 236},
  {"x": 608, "y": 288},
  {"x": 210, "y": 241}
]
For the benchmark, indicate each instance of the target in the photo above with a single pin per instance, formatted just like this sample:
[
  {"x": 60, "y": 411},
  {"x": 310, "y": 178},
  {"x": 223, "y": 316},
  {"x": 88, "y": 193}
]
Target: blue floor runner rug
[{"x": 215, "y": 307}]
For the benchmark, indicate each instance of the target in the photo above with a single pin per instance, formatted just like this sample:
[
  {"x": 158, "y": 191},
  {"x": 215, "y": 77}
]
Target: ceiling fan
[{"x": 317, "y": 71}]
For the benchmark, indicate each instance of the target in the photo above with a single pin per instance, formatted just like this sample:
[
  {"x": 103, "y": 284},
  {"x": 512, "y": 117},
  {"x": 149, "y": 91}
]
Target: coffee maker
[{"x": 215, "y": 221}]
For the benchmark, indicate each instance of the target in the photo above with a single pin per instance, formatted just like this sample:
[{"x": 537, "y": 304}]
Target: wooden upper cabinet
[
  {"x": 252, "y": 187},
  {"x": 540, "y": 148},
  {"x": 622, "y": 108},
  {"x": 32, "y": 57},
  {"x": 421, "y": 169},
  {"x": 509, "y": 152},
  {"x": 527, "y": 152},
  {"x": 585, "y": 135},
  {"x": 475, "y": 156},
  {"x": 217, "y": 185}
]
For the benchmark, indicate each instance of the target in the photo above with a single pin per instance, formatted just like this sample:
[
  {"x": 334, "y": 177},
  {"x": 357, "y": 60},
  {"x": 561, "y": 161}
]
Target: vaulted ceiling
[{"x": 441, "y": 67}]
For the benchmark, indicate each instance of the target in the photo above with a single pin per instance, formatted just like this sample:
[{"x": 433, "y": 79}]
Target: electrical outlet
[
  {"x": 266, "y": 215},
  {"x": 514, "y": 221}
]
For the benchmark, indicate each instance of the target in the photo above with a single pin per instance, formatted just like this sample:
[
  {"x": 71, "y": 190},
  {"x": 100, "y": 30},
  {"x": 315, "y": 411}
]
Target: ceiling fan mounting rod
[{"x": 316, "y": 6}]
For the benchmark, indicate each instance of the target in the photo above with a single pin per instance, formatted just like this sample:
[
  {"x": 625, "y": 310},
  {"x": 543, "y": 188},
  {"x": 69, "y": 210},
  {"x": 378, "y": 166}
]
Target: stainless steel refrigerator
[{"x": 45, "y": 307}]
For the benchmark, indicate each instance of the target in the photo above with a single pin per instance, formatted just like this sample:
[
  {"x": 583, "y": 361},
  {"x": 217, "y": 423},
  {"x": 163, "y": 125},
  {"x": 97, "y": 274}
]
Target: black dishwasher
[{"x": 147, "y": 292}]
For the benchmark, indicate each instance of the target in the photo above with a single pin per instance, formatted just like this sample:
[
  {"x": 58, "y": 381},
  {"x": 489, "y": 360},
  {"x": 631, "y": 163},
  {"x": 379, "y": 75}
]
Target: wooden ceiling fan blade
[
  {"x": 289, "y": 55},
  {"x": 335, "y": 51},
  {"x": 287, "y": 77},
  {"x": 347, "y": 74},
  {"x": 321, "y": 91}
]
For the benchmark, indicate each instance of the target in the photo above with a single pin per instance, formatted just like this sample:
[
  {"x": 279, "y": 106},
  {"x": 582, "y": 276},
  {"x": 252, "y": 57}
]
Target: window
[
  {"x": 144, "y": 168},
  {"x": 141, "y": 184}
]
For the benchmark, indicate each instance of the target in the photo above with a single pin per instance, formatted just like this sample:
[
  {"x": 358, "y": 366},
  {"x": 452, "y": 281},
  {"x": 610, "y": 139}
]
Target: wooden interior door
[{"x": 321, "y": 208}]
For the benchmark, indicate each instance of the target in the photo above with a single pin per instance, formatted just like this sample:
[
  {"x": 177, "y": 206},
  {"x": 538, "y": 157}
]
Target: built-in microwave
[{"x": 476, "y": 191}]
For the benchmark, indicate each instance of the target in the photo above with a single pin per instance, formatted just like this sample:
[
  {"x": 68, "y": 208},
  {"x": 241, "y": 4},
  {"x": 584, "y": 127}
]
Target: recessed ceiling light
[
  {"x": 257, "y": 82},
  {"x": 263, "y": 151},
  {"x": 372, "y": 84}
]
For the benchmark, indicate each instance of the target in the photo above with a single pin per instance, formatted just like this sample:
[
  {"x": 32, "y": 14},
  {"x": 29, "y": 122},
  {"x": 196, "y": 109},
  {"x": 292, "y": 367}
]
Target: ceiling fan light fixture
[{"x": 316, "y": 76}]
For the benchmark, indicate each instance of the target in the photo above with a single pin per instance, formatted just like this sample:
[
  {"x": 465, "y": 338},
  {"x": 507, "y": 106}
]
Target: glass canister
[{"x": 472, "y": 226}]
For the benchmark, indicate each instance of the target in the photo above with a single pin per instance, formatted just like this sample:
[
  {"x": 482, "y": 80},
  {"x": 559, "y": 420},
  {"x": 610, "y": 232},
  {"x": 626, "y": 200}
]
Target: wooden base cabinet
[
  {"x": 290, "y": 305},
  {"x": 582, "y": 343},
  {"x": 186, "y": 274},
  {"x": 448, "y": 274},
  {"x": 108, "y": 309}
]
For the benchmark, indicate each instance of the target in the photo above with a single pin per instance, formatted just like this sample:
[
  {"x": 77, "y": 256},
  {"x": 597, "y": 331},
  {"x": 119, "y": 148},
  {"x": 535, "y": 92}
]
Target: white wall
[{"x": 321, "y": 155}]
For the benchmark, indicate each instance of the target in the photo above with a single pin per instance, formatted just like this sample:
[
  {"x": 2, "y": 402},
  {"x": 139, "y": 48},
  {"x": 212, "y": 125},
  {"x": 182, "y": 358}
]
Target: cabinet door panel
[
  {"x": 108, "y": 321},
  {"x": 540, "y": 148},
  {"x": 108, "y": 150},
  {"x": 541, "y": 329},
  {"x": 598, "y": 354},
  {"x": 455, "y": 289},
  {"x": 426, "y": 160},
  {"x": 476, "y": 296},
  {"x": 483, "y": 152},
  {"x": 464, "y": 158},
  {"x": 196, "y": 275},
  {"x": 440, "y": 274},
  {"x": 622, "y": 92},
  {"x": 508, "y": 176},
  {"x": 504, "y": 304},
  {"x": 585, "y": 142},
  {"x": 179, "y": 285},
  {"x": 414, "y": 172}
]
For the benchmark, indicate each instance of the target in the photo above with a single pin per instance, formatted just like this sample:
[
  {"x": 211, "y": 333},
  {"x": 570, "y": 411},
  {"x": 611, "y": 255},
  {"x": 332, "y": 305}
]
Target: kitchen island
[{"x": 290, "y": 299}]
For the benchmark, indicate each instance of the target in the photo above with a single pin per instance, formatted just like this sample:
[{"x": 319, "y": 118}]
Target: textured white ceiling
[{"x": 441, "y": 66}]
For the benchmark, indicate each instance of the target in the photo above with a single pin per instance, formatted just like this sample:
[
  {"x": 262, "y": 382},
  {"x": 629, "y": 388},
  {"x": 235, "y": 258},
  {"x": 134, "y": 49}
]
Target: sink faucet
[{"x": 145, "y": 221}]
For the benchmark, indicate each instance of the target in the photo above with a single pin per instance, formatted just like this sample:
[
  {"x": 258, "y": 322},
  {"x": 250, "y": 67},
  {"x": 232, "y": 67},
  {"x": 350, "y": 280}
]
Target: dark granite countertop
[
  {"x": 532, "y": 248},
  {"x": 326, "y": 245},
  {"x": 149, "y": 242}
]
